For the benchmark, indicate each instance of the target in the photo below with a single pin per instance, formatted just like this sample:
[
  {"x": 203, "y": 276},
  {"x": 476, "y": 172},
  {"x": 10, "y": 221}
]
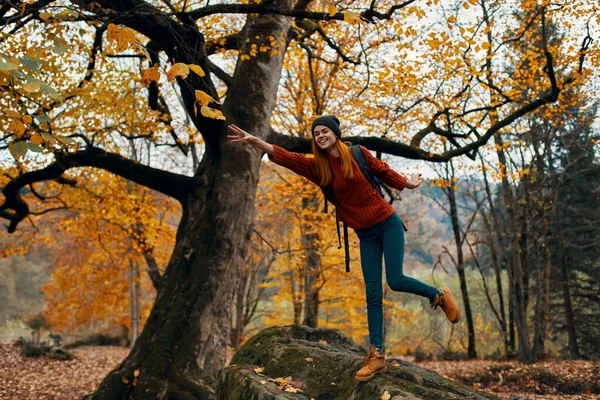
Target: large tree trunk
[{"x": 185, "y": 338}]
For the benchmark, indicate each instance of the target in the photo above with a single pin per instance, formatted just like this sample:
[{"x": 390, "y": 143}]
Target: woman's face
[{"x": 324, "y": 137}]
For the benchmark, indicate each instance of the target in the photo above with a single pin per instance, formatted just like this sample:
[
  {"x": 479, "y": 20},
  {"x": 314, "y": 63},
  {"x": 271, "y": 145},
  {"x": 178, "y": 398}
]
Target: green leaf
[
  {"x": 34, "y": 147},
  {"x": 42, "y": 119},
  {"x": 60, "y": 49},
  {"x": 47, "y": 137},
  {"x": 8, "y": 66},
  {"x": 31, "y": 64},
  {"x": 17, "y": 73},
  {"x": 65, "y": 140},
  {"x": 18, "y": 150},
  {"x": 51, "y": 92},
  {"x": 60, "y": 45}
]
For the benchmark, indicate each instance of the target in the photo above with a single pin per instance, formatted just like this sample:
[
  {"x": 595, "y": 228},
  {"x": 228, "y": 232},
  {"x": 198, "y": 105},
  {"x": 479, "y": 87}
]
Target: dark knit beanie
[{"x": 329, "y": 121}]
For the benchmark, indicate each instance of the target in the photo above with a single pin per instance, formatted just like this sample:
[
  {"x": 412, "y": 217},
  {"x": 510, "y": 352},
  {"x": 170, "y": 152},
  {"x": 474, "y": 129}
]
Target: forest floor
[
  {"x": 42, "y": 378},
  {"x": 512, "y": 380}
]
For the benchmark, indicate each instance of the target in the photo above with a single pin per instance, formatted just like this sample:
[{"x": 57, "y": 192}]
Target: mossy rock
[{"x": 324, "y": 362}]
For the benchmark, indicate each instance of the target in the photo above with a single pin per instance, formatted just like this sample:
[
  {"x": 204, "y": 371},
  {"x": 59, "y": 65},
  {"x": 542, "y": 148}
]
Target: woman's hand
[
  {"x": 414, "y": 182},
  {"x": 240, "y": 135}
]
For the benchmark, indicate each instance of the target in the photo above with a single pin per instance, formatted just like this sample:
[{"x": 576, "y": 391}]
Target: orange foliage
[{"x": 111, "y": 222}]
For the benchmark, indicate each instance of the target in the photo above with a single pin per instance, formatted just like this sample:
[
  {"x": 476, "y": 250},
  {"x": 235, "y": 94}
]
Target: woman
[{"x": 377, "y": 226}]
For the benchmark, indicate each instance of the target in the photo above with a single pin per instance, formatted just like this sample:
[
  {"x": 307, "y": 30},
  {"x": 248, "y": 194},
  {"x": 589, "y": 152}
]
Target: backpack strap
[
  {"x": 328, "y": 195},
  {"x": 346, "y": 247},
  {"x": 359, "y": 157}
]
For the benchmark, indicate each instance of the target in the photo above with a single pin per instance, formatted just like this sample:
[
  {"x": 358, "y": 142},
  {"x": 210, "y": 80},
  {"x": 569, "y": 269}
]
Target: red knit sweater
[{"x": 359, "y": 205}]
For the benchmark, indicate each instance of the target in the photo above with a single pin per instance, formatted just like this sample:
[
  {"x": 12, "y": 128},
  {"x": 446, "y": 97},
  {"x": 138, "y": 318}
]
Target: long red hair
[{"x": 322, "y": 167}]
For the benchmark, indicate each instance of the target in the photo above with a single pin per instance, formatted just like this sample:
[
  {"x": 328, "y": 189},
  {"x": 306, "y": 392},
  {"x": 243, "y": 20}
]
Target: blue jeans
[{"x": 385, "y": 239}]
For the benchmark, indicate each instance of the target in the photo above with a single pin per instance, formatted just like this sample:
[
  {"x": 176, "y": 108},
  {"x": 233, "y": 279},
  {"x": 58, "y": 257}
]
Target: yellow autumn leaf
[
  {"x": 36, "y": 138},
  {"x": 351, "y": 17},
  {"x": 452, "y": 19},
  {"x": 150, "y": 75},
  {"x": 16, "y": 127},
  {"x": 258, "y": 369},
  {"x": 123, "y": 36},
  {"x": 331, "y": 10},
  {"x": 211, "y": 113},
  {"x": 386, "y": 395},
  {"x": 27, "y": 119},
  {"x": 197, "y": 69},
  {"x": 136, "y": 373},
  {"x": 31, "y": 86},
  {"x": 112, "y": 32},
  {"x": 179, "y": 69},
  {"x": 12, "y": 114},
  {"x": 203, "y": 98}
]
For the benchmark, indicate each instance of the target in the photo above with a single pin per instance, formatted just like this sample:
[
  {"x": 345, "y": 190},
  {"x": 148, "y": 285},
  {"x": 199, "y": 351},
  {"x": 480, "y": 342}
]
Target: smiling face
[{"x": 324, "y": 137}]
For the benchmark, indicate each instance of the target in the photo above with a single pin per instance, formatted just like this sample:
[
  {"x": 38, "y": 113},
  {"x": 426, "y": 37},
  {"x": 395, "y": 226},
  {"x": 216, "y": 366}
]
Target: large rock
[{"x": 322, "y": 363}]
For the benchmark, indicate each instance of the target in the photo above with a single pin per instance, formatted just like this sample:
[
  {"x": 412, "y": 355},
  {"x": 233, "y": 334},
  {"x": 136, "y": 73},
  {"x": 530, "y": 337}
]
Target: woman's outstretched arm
[
  {"x": 240, "y": 135},
  {"x": 388, "y": 175},
  {"x": 296, "y": 162}
]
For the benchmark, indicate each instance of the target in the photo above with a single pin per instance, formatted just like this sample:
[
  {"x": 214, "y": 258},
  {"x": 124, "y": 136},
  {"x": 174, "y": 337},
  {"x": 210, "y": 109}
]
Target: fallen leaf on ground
[{"x": 258, "y": 369}]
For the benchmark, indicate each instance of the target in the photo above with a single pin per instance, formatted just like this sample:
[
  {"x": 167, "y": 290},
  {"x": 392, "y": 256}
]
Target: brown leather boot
[
  {"x": 448, "y": 304},
  {"x": 373, "y": 364}
]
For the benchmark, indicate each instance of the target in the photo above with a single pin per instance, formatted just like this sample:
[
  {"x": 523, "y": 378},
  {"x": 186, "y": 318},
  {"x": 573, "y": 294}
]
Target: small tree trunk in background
[
  {"x": 542, "y": 312},
  {"x": 511, "y": 323},
  {"x": 132, "y": 307},
  {"x": 460, "y": 267},
  {"x": 524, "y": 253},
  {"x": 312, "y": 272},
  {"x": 495, "y": 240},
  {"x": 311, "y": 289},
  {"x": 570, "y": 321},
  {"x": 294, "y": 278},
  {"x": 516, "y": 277},
  {"x": 138, "y": 299}
]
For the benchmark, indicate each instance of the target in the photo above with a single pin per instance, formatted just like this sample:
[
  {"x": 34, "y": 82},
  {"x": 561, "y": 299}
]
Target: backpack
[{"x": 330, "y": 196}]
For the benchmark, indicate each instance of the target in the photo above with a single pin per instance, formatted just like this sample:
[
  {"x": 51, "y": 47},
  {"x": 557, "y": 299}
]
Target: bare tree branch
[{"x": 171, "y": 184}]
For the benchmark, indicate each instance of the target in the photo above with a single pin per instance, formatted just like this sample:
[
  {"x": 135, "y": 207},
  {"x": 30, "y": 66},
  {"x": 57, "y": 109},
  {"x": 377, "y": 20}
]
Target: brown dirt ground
[
  {"x": 511, "y": 380},
  {"x": 44, "y": 379}
]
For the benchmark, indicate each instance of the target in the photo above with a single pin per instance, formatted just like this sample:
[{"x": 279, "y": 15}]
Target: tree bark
[
  {"x": 572, "y": 334},
  {"x": 516, "y": 280},
  {"x": 495, "y": 240},
  {"x": 240, "y": 303},
  {"x": 312, "y": 272},
  {"x": 460, "y": 263},
  {"x": 184, "y": 342}
]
